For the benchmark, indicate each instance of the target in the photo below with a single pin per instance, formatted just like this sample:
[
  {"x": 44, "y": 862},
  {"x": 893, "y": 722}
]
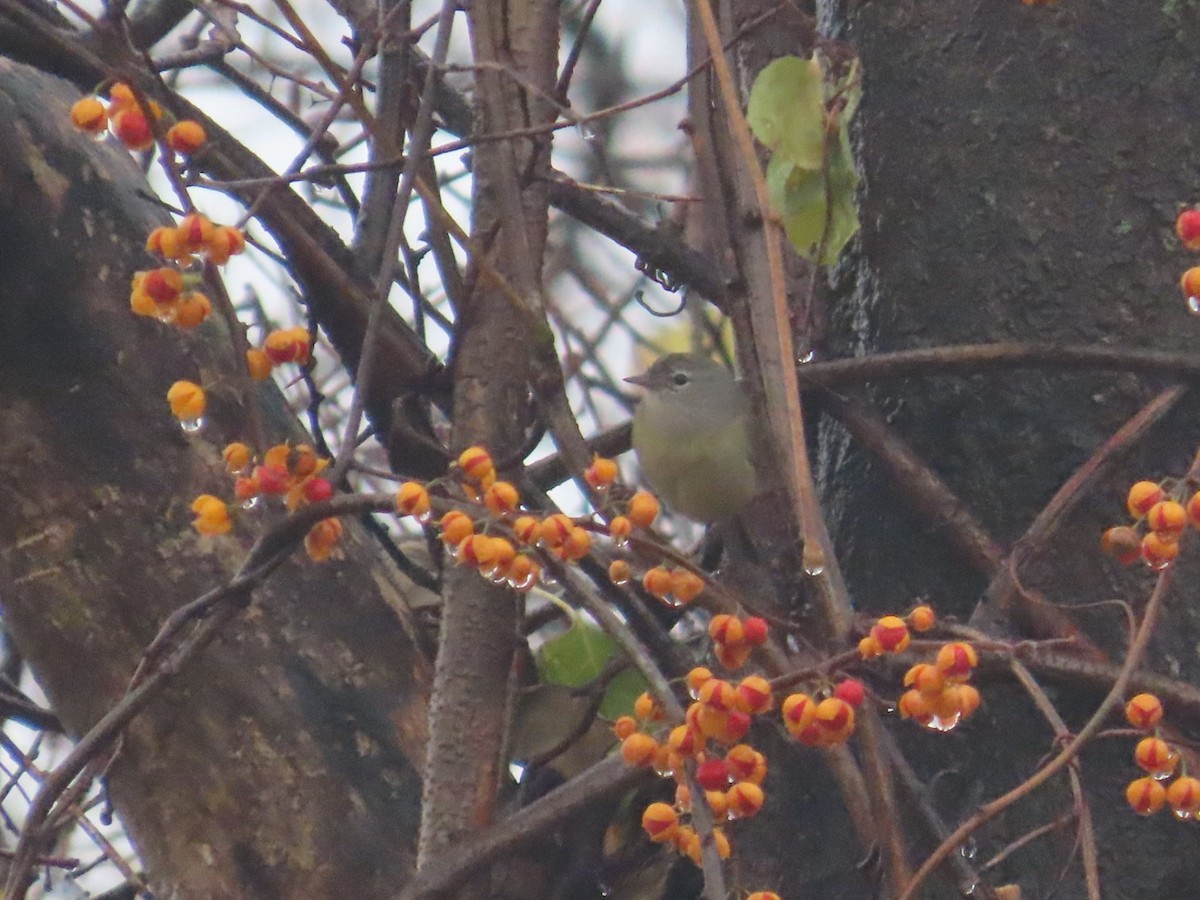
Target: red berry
[
  {"x": 852, "y": 691},
  {"x": 271, "y": 479},
  {"x": 1187, "y": 226},
  {"x": 754, "y": 631},
  {"x": 317, "y": 489},
  {"x": 713, "y": 775}
]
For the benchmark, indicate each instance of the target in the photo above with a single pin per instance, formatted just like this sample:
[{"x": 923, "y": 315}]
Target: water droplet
[
  {"x": 1159, "y": 565},
  {"x": 100, "y": 136},
  {"x": 620, "y": 541},
  {"x": 165, "y": 314},
  {"x": 969, "y": 848},
  {"x": 622, "y": 580},
  {"x": 523, "y": 584},
  {"x": 191, "y": 426},
  {"x": 424, "y": 518},
  {"x": 1183, "y": 815},
  {"x": 548, "y": 580},
  {"x": 813, "y": 559},
  {"x": 587, "y": 132},
  {"x": 667, "y": 772},
  {"x": 672, "y": 601},
  {"x": 939, "y": 724},
  {"x": 968, "y": 890},
  {"x": 806, "y": 358},
  {"x": 1193, "y": 305},
  {"x": 889, "y": 709},
  {"x": 498, "y": 577},
  {"x": 251, "y": 503},
  {"x": 1161, "y": 776}
]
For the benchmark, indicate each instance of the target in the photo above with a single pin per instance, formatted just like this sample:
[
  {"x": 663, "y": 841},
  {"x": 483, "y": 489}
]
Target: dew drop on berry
[
  {"x": 1193, "y": 305},
  {"x": 806, "y": 358},
  {"x": 191, "y": 426},
  {"x": 424, "y": 518},
  {"x": 666, "y": 772},
  {"x": 250, "y": 503},
  {"x": 1183, "y": 815},
  {"x": 939, "y": 724},
  {"x": 621, "y": 580},
  {"x": 1159, "y": 565},
  {"x": 525, "y": 583},
  {"x": 1162, "y": 776},
  {"x": 620, "y": 542}
]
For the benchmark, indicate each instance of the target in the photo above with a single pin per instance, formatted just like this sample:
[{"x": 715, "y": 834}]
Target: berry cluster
[
  {"x": 938, "y": 696},
  {"x": 125, "y": 118},
  {"x": 1162, "y": 516},
  {"x": 1187, "y": 228},
  {"x": 1159, "y": 760}
]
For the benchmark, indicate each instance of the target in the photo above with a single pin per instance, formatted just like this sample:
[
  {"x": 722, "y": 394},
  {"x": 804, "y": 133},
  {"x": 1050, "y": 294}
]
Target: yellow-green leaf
[{"x": 787, "y": 110}]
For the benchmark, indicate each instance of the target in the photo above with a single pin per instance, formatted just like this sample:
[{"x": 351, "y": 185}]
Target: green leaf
[
  {"x": 799, "y": 196},
  {"x": 622, "y": 691},
  {"x": 787, "y": 110},
  {"x": 576, "y": 656},
  {"x": 547, "y": 714}
]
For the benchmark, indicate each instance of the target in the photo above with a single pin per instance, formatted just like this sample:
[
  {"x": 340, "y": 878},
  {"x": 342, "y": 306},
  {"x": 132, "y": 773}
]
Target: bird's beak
[{"x": 640, "y": 380}]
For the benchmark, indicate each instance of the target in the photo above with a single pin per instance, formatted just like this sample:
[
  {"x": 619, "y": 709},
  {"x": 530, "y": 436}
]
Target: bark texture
[{"x": 281, "y": 764}]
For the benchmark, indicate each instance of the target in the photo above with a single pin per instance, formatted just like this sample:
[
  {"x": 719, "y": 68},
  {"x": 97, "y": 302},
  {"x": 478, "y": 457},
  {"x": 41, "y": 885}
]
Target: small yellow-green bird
[{"x": 691, "y": 437}]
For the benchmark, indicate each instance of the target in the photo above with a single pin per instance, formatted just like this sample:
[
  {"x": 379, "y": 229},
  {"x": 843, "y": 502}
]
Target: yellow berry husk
[
  {"x": 1189, "y": 283},
  {"x": 237, "y": 457},
  {"x": 503, "y": 554},
  {"x": 455, "y": 527},
  {"x": 121, "y": 95},
  {"x": 696, "y": 678},
  {"x": 709, "y": 721},
  {"x": 1154, "y": 755},
  {"x": 501, "y": 498},
  {"x": 744, "y": 799},
  {"x": 523, "y": 573},
  {"x": 798, "y": 711},
  {"x": 554, "y": 530},
  {"x": 922, "y": 618},
  {"x": 868, "y": 647},
  {"x": 620, "y": 528},
  {"x": 642, "y": 509},
  {"x": 212, "y": 515},
  {"x": 718, "y": 803},
  {"x": 726, "y": 629},
  {"x": 601, "y": 473},
  {"x": 194, "y": 232},
  {"x": 1183, "y": 795},
  {"x": 412, "y": 499},
  {"x": 686, "y": 586},
  {"x": 258, "y": 364},
  {"x": 187, "y": 400},
  {"x": 186, "y": 137},
  {"x": 142, "y": 303},
  {"x": 1144, "y": 711},
  {"x": 226, "y": 241},
  {"x": 967, "y": 699},
  {"x": 639, "y": 749},
  {"x": 1142, "y": 496},
  {"x": 915, "y": 705},
  {"x": 1146, "y": 795},
  {"x": 577, "y": 544},
  {"x": 764, "y": 895},
  {"x": 619, "y": 571},
  {"x": 732, "y": 656},
  {"x": 718, "y": 694},
  {"x": 476, "y": 551},
  {"x": 477, "y": 463},
  {"x": 89, "y": 115},
  {"x": 322, "y": 539},
  {"x": 891, "y": 634},
  {"x": 721, "y": 843},
  {"x": 660, "y": 822},
  {"x": 624, "y": 727},
  {"x": 926, "y": 678},
  {"x": 836, "y": 716},
  {"x": 685, "y": 741},
  {"x": 1167, "y": 518}
]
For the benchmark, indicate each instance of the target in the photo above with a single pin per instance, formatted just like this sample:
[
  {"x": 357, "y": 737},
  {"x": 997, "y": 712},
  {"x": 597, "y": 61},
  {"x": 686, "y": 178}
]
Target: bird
[{"x": 692, "y": 439}]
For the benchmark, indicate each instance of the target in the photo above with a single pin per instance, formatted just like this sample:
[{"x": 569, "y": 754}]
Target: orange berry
[
  {"x": 258, "y": 364},
  {"x": 718, "y": 804},
  {"x": 131, "y": 129},
  {"x": 455, "y": 527},
  {"x": 226, "y": 241},
  {"x": 322, "y": 539},
  {"x": 1190, "y": 283},
  {"x": 685, "y": 741},
  {"x": 744, "y": 799},
  {"x": 639, "y": 749},
  {"x": 764, "y": 895},
  {"x": 646, "y": 708},
  {"x": 186, "y": 137},
  {"x": 696, "y": 678},
  {"x": 162, "y": 285},
  {"x": 523, "y": 573},
  {"x": 212, "y": 515},
  {"x": 891, "y": 634},
  {"x": 743, "y": 760},
  {"x": 601, "y": 473},
  {"x": 526, "y": 529},
  {"x": 754, "y": 695},
  {"x": 1167, "y": 518},
  {"x": 554, "y": 530},
  {"x": 1146, "y": 795},
  {"x": 720, "y": 844},
  {"x": 1142, "y": 496},
  {"x": 412, "y": 499},
  {"x": 798, "y": 712},
  {"x": 282, "y": 346},
  {"x": 476, "y": 463},
  {"x": 835, "y": 717},
  {"x": 642, "y": 509},
  {"x": 619, "y": 571},
  {"x": 165, "y": 242},
  {"x": 915, "y": 705},
  {"x": 121, "y": 95},
  {"x": 89, "y": 115},
  {"x": 708, "y": 720},
  {"x": 237, "y": 457},
  {"x": 1154, "y": 755},
  {"x": 187, "y": 400},
  {"x": 476, "y": 551},
  {"x": 957, "y": 660},
  {"x": 657, "y": 582},
  {"x": 501, "y": 498},
  {"x": 922, "y": 618},
  {"x": 718, "y": 694},
  {"x": 966, "y": 698},
  {"x": 1187, "y": 227},
  {"x": 726, "y": 629},
  {"x": 869, "y": 648},
  {"x": 1183, "y": 795},
  {"x": 1159, "y": 550},
  {"x": 624, "y": 727},
  {"x": 1144, "y": 711},
  {"x": 732, "y": 656},
  {"x": 660, "y": 821},
  {"x": 686, "y": 586},
  {"x": 194, "y": 232},
  {"x": 577, "y": 544},
  {"x": 619, "y": 529},
  {"x": 1123, "y": 544}
]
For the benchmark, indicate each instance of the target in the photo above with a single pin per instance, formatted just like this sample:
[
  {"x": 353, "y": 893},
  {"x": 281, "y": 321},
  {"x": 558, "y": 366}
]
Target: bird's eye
[{"x": 680, "y": 378}]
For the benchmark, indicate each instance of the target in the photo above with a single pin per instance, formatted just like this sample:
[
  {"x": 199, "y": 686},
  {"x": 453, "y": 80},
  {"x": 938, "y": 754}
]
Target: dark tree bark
[{"x": 284, "y": 761}]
